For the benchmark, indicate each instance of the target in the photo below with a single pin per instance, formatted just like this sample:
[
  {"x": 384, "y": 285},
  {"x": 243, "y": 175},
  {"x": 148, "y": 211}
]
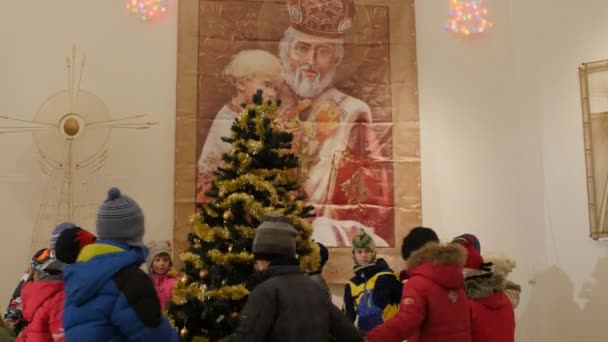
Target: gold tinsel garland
[
  {"x": 191, "y": 258},
  {"x": 220, "y": 258},
  {"x": 234, "y": 292},
  {"x": 233, "y": 185},
  {"x": 252, "y": 206},
  {"x": 311, "y": 261},
  {"x": 303, "y": 224},
  {"x": 281, "y": 177},
  {"x": 245, "y": 231},
  {"x": 208, "y": 234},
  {"x": 182, "y": 292},
  {"x": 210, "y": 211},
  {"x": 200, "y": 339},
  {"x": 244, "y": 161},
  {"x": 264, "y": 109},
  {"x": 254, "y": 146}
]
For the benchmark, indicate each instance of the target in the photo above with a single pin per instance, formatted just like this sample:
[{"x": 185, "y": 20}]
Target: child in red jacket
[
  {"x": 493, "y": 318},
  {"x": 433, "y": 304},
  {"x": 14, "y": 313},
  {"x": 43, "y": 298}
]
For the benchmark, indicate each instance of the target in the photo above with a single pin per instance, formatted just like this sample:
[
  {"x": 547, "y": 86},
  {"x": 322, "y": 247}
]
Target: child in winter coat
[
  {"x": 433, "y": 304},
  {"x": 14, "y": 315},
  {"x": 372, "y": 295},
  {"x": 284, "y": 304},
  {"x": 161, "y": 270},
  {"x": 492, "y": 316},
  {"x": 417, "y": 237},
  {"x": 108, "y": 296},
  {"x": 43, "y": 298},
  {"x": 503, "y": 265}
]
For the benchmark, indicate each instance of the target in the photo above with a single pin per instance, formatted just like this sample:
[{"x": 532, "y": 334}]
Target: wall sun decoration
[
  {"x": 71, "y": 130},
  {"x": 147, "y": 10},
  {"x": 468, "y": 17}
]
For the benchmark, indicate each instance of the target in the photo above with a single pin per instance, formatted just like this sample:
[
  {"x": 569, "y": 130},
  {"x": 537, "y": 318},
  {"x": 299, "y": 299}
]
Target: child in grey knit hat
[
  {"x": 286, "y": 305},
  {"x": 108, "y": 296}
]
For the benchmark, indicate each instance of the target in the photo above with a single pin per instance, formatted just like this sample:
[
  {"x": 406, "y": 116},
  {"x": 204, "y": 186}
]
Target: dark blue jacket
[
  {"x": 109, "y": 299},
  {"x": 384, "y": 289}
]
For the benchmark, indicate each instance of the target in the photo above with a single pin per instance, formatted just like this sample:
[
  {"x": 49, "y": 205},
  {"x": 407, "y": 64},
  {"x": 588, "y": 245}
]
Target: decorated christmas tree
[{"x": 258, "y": 176}]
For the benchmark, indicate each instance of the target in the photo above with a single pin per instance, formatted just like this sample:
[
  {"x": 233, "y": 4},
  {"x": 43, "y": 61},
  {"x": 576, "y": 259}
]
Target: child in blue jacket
[{"x": 108, "y": 297}]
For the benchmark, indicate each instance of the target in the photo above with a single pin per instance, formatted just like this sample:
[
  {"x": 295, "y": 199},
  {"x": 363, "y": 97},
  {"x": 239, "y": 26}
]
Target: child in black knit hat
[{"x": 414, "y": 240}]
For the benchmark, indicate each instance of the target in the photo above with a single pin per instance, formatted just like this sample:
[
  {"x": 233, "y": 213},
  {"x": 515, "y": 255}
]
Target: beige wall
[
  {"x": 502, "y": 152},
  {"x": 500, "y": 124},
  {"x": 130, "y": 66}
]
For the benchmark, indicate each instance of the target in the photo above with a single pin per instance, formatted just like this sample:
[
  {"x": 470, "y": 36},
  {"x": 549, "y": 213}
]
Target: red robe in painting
[{"x": 343, "y": 172}]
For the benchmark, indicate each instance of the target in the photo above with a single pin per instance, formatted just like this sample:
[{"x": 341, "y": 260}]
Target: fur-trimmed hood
[
  {"x": 501, "y": 264},
  {"x": 442, "y": 264},
  {"x": 439, "y": 254},
  {"x": 485, "y": 285}
]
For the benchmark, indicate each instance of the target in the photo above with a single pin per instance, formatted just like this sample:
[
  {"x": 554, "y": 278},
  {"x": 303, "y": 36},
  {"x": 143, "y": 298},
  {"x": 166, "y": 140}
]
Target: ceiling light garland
[
  {"x": 468, "y": 17},
  {"x": 146, "y": 10}
]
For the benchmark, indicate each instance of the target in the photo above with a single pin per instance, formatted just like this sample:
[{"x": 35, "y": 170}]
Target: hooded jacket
[
  {"x": 433, "y": 304},
  {"x": 14, "y": 315},
  {"x": 285, "y": 305},
  {"x": 504, "y": 266},
  {"x": 42, "y": 308},
  {"x": 109, "y": 299},
  {"x": 492, "y": 313}
]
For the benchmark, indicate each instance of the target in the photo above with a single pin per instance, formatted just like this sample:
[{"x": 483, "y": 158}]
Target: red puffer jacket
[
  {"x": 492, "y": 312},
  {"x": 42, "y": 308},
  {"x": 433, "y": 304}
]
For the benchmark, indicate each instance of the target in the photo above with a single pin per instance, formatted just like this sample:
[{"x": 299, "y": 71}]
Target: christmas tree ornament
[
  {"x": 203, "y": 274},
  {"x": 228, "y": 216},
  {"x": 184, "y": 332}
]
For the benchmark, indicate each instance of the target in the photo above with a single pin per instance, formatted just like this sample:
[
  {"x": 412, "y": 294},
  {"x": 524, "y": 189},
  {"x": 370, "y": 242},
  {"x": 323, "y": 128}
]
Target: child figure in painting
[
  {"x": 161, "y": 270},
  {"x": 373, "y": 294},
  {"x": 248, "y": 71}
]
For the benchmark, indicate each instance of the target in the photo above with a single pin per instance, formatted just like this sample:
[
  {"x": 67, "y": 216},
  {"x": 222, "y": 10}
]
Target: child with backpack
[{"x": 372, "y": 295}]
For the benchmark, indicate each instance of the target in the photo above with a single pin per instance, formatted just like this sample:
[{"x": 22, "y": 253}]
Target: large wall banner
[{"x": 345, "y": 72}]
